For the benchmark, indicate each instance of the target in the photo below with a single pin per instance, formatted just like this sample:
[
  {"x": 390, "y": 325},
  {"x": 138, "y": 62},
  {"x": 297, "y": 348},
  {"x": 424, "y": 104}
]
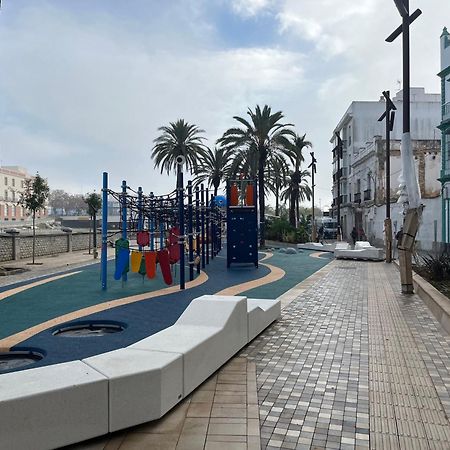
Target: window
[
  {"x": 13, "y": 196},
  {"x": 6, "y": 181},
  {"x": 22, "y": 184},
  {"x": 6, "y": 211},
  {"x": 13, "y": 211},
  {"x": 6, "y": 194},
  {"x": 13, "y": 182}
]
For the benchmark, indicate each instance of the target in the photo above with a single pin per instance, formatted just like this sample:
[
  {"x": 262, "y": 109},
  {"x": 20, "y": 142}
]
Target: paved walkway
[{"x": 352, "y": 363}]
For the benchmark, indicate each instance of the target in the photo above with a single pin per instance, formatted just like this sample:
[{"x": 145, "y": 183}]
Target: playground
[{"x": 112, "y": 304}]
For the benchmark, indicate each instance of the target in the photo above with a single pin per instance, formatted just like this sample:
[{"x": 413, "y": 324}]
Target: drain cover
[
  {"x": 88, "y": 330},
  {"x": 16, "y": 359}
]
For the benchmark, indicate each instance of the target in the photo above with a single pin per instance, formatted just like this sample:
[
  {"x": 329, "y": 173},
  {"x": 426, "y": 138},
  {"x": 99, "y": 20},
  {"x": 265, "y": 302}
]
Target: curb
[{"x": 437, "y": 302}]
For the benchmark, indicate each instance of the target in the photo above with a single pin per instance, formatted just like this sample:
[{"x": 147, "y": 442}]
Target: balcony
[
  {"x": 446, "y": 111},
  {"x": 367, "y": 194},
  {"x": 343, "y": 199},
  {"x": 357, "y": 198}
]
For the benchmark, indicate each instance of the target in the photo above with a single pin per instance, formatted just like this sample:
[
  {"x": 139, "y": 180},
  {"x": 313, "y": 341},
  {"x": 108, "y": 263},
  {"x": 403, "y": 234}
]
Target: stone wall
[
  {"x": 21, "y": 246},
  {"x": 6, "y": 248}
]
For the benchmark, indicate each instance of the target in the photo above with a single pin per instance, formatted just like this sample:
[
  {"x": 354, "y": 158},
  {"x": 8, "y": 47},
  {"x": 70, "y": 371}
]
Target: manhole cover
[
  {"x": 89, "y": 330},
  {"x": 16, "y": 359}
]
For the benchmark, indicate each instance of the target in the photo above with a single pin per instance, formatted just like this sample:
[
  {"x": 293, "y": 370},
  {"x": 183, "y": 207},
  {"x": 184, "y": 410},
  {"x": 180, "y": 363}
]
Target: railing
[
  {"x": 446, "y": 110},
  {"x": 357, "y": 197},
  {"x": 367, "y": 194}
]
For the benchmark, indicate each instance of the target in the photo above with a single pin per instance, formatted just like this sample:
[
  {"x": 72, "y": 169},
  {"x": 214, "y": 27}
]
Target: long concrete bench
[
  {"x": 363, "y": 250},
  {"x": 58, "y": 405},
  {"x": 48, "y": 407},
  {"x": 209, "y": 332},
  {"x": 260, "y": 314},
  {"x": 143, "y": 385}
]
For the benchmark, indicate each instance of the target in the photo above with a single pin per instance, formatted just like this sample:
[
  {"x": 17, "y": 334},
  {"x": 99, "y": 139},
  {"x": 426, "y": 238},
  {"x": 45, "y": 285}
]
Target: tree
[
  {"x": 94, "y": 203},
  {"x": 262, "y": 135},
  {"x": 33, "y": 198},
  {"x": 297, "y": 191},
  {"x": 213, "y": 167},
  {"x": 58, "y": 200},
  {"x": 178, "y": 139}
]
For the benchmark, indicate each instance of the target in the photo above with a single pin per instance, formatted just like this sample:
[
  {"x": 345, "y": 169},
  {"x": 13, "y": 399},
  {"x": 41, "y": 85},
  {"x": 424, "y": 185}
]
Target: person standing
[{"x": 354, "y": 235}]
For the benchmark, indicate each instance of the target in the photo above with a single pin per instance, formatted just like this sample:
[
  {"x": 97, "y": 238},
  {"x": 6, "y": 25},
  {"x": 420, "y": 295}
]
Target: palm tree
[
  {"x": 180, "y": 138},
  {"x": 277, "y": 175},
  {"x": 259, "y": 137},
  {"x": 297, "y": 191},
  {"x": 213, "y": 167},
  {"x": 295, "y": 154}
]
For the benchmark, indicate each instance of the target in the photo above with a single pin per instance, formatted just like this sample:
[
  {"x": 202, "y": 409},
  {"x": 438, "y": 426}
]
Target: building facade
[
  {"x": 362, "y": 175},
  {"x": 444, "y": 126},
  {"x": 12, "y": 183}
]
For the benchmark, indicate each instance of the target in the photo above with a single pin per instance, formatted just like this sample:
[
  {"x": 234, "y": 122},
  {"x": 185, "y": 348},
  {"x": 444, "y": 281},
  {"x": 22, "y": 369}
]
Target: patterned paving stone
[{"x": 353, "y": 364}]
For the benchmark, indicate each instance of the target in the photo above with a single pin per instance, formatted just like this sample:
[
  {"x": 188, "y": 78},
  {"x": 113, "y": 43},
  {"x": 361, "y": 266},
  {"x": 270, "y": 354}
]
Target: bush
[
  {"x": 436, "y": 268},
  {"x": 279, "y": 230}
]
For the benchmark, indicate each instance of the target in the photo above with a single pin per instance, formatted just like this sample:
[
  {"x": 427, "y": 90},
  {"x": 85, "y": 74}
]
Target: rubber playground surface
[{"x": 31, "y": 311}]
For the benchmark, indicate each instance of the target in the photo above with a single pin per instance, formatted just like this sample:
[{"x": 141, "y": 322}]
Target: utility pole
[
  {"x": 313, "y": 171},
  {"x": 389, "y": 115},
  {"x": 412, "y": 207},
  {"x": 338, "y": 153}
]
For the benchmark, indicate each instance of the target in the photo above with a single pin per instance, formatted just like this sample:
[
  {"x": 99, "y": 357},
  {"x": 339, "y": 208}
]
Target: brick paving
[{"x": 354, "y": 364}]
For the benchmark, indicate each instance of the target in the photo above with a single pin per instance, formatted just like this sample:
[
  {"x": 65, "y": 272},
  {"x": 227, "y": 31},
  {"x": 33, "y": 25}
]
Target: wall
[{"x": 20, "y": 246}]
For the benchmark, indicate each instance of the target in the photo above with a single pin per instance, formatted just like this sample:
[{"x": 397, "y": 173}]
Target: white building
[
  {"x": 362, "y": 175},
  {"x": 12, "y": 182}
]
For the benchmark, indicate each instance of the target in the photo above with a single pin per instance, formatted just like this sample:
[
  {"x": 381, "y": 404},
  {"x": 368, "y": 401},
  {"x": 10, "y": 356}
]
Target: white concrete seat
[
  {"x": 374, "y": 254},
  {"x": 143, "y": 385},
  {"x": 362, "y": 245},
  {"x": 261, "y": 313},
  {"x": 342, "y": 246},
  {"x": 204, "y": 347},
  {"x": 52, "y": 406}
]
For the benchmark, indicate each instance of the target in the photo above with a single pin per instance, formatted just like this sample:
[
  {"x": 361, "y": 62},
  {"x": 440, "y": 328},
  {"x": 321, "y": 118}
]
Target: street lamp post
[
  {"x": 411, "y": 221},
  {"x": 389, "y": 116},
  {"x": 313, "y": 171}
]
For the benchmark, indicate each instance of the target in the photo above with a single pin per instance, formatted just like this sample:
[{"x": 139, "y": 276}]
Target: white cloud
[
  {"x": 248, "y": 8},
  {"x": 82, "y": 96}
]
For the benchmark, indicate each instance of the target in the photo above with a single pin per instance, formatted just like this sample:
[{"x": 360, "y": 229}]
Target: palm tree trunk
[
  {"x": 277, "y": 203},
  {"x": 261, "y": 160},
  {"x": 298, "y": 210},
  {"x": 292, "y": 209}
]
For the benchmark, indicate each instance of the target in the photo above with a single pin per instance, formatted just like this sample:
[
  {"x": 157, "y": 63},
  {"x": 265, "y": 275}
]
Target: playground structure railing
[{"x": 171, "y": 221}]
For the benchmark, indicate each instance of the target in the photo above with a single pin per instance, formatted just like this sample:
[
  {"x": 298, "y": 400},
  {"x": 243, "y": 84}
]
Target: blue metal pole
[
  {"x": 181, "y": 220},
  {"x": 104, "y": 261},
  {"x": 140, "y": 216},
  {"x": 190, "y": 233},
  {"x": 197, "y": 226},
  {"x": 124, "y": 218},
  {"x": 202, "y": 203},
  {"x": 151, "y": 224},
  {"x": 208, "y": 234}
]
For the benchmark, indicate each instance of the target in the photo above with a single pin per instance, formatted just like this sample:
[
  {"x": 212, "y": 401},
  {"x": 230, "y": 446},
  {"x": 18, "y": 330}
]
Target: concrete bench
[
  {"x": 143, "y": 385},
  {"x": 52, "y": 406},
  {"x": 261, "y": 313},
  {"x": 209, "y": 332},
  {"x": 58, "y": 405}
]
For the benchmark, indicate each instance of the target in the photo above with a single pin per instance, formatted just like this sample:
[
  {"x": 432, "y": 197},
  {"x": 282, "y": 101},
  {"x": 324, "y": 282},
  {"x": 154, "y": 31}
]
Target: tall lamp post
[
  {"x": 413, "y": 210},
  {"x": 389, "y": 116},
  {"x": 338, "y": 152},
  {"x": 313, "y": 171}
]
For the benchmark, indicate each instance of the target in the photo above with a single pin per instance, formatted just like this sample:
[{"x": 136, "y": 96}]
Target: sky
[{"x": 85, "y": 84}]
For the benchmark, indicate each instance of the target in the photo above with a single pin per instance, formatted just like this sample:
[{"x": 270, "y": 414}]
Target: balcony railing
[
  {"x": 446, "y": 111},
  {"x": 367, "y": 194},
  {"x": 357, "y": 197}
]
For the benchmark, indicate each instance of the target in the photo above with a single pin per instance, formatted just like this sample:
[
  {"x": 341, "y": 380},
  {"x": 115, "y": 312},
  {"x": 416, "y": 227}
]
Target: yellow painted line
[
  {"x": 275, "y": 274},
  {"x": 317, "y": 254},
  {"x": 16, "y": 290},
  {"x": 10, "y": 341}
]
